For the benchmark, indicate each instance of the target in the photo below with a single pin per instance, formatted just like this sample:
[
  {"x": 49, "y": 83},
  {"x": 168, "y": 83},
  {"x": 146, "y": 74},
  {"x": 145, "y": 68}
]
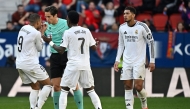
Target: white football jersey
[
  {"x": 29, "y": 43},
  {"x": 132, "y": 40},
  {"x": 78, "y": 41}
]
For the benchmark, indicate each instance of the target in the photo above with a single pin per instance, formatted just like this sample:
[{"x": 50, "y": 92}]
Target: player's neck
[
  {"x": 73, "y": 25},
  {"x": 55, "y": 22},
  {"x": 131, "y": 23}
]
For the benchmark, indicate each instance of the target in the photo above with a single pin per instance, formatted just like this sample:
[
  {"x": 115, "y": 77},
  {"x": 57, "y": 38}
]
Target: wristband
[{"x": 51, "y": 43}]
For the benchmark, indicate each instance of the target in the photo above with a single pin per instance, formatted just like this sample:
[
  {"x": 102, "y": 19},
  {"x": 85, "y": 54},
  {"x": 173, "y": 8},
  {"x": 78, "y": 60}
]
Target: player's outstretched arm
[
  {"x": 93, "y": 47},
  {"x": 59, "y": 49}
]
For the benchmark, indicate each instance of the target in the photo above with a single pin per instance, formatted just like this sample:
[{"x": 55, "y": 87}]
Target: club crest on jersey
[
  {"x": 136, "y": 32},
  {"x": 103, "y": 48}
]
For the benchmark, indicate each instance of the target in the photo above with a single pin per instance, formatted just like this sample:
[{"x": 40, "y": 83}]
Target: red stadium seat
[
  {"x": 174, "y": 20},
  {"x": 159, "y": 21},
  {"x": 143, "y": 16},
  {"x": 121, "y": 19}
]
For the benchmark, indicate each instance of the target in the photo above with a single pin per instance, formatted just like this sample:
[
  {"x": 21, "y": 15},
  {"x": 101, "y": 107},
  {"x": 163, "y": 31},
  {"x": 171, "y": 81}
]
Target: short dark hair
[
  {"x": 73, "y": 17},
  {"x": 52, "y": 9},
  {"x": 33, "y": 18},
  {"x": 132, "y": 9},
  {"x": 19, "y": 6},
  {"x": 9, "y": 22}
]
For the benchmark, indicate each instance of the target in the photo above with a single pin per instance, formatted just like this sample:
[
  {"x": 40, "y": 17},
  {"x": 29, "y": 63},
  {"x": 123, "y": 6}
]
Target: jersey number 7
[{"x": 82, "y": 44}]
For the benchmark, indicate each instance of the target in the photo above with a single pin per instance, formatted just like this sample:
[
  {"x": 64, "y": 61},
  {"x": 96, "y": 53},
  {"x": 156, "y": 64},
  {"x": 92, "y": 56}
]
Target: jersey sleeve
[
  {"x": 150, "y": 40},
  {"x": 39, "y": 42},
  {"x": 92, "y": 41},
  {"x": 65, "y": 40},
  {"x": 120, "y": 47}
]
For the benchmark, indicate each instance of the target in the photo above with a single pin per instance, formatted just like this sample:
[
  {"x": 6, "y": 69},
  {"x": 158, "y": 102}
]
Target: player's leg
[
  {"x": 33, "y": 98},
  {"x": 35, "y": 87},
  {"x": 77, "y": 93},
  {"x": 94, "y": 97},
  {"x": 39, "y": 74},
  {"x": 68, "y": 81},
  {"x": 44, "y": 93},
  {"x": 78, "y": 97},
  {"x": 129, "y": 98},
  {"x": 56, "y": 92},
  {"x": 56, "y": 71},
  {"x": 87, "y": 81},
  {"x": 127, "y": 78},
  {"x": 139, "y": 75}
]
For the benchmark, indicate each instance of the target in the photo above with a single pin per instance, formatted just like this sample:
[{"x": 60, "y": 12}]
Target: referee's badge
[{"x": 136, "y": 32}]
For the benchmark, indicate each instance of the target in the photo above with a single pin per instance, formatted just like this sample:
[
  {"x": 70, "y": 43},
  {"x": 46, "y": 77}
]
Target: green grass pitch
[{"x": 107, "y": 103}]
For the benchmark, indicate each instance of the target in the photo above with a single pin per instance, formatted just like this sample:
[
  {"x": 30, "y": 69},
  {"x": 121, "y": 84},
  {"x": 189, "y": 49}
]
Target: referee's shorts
[{"x": 57, "y": 64}]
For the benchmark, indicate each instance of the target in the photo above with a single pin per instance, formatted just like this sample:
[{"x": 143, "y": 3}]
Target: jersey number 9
[{"x": 20, "y": 41}]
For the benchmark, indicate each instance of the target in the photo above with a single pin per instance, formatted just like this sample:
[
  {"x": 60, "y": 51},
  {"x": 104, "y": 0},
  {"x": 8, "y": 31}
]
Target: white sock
[
  {"x": 63, "y": 99},
  {"x": 33, "y": 98},
  {"x": 129, "y": 99},
  {"x": 95, "y": 99},
  {"x": 44, "y": 93},
  {"x": 142, "y": 96}
]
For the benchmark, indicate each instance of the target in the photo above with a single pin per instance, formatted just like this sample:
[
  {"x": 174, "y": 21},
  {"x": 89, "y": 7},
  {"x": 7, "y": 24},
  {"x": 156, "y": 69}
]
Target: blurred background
[{"x": 169, "y": 21}]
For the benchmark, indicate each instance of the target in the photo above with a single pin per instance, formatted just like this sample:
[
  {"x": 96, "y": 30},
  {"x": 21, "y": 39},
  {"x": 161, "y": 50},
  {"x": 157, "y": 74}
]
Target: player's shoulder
[
  {"x": 142, "y": 24},
  {"x": 123, "y": 24},
  {"x": 28, "y": 29},
  {"x": 62, "y": 20}
]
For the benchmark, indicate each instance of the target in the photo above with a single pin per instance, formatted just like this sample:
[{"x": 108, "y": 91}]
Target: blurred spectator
[
  {"x": 147, "y": 5},
  {"x": 108, "y": 14},
  {"x": 47, "y": 2},
  {"x": 92, "y": 17},
  {"x": 9, "y": 27},
  {"x": 64, "y": 6},
  {"x": 150, "y": 25},
  {"x": 79, "y": 5},
  {"x": 10, "y": 62},
  {"x": 186, "y": 16},
  {"x": 32, "y": 5},
  {"x": 24, "y": 19},
  {"x": 180, "y": 28},
  {"x": 167, "y": 7},
  {"x": 121, "y": 4},
  {"x": 42, "y": 12},
  {"x": 17, "y": 16},
  {"x": 114, "y": 28},
  {"x": 59, "y": 13}
]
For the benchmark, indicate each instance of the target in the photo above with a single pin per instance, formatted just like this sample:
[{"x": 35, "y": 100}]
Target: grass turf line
[{"x": 107, "y": 103}]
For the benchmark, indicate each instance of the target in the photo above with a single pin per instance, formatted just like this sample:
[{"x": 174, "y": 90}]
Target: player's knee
[
  {"x": 138, "y": 87},
  {"x": 56, "y": 87},
  {"x": 88, "y": 89},
  {"x": 65, "y": 88},
  {"x": 35, "y": 86},
  {"x": 128, "y": 87}
]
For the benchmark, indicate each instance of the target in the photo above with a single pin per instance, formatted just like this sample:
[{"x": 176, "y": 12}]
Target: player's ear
[{"x": 133, "y": 15}]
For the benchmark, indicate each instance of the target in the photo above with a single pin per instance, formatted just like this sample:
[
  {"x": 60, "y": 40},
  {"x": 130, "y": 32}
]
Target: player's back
[
  {"x": 27, "y": 54},
  {"x": 79, "y": 42}
]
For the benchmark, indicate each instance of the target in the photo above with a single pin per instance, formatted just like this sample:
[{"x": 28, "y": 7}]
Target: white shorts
[
  {"x": 36, "y": 73},
  {"x": 130, "y": 71},
  {"x": 72, "y": 77}
]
